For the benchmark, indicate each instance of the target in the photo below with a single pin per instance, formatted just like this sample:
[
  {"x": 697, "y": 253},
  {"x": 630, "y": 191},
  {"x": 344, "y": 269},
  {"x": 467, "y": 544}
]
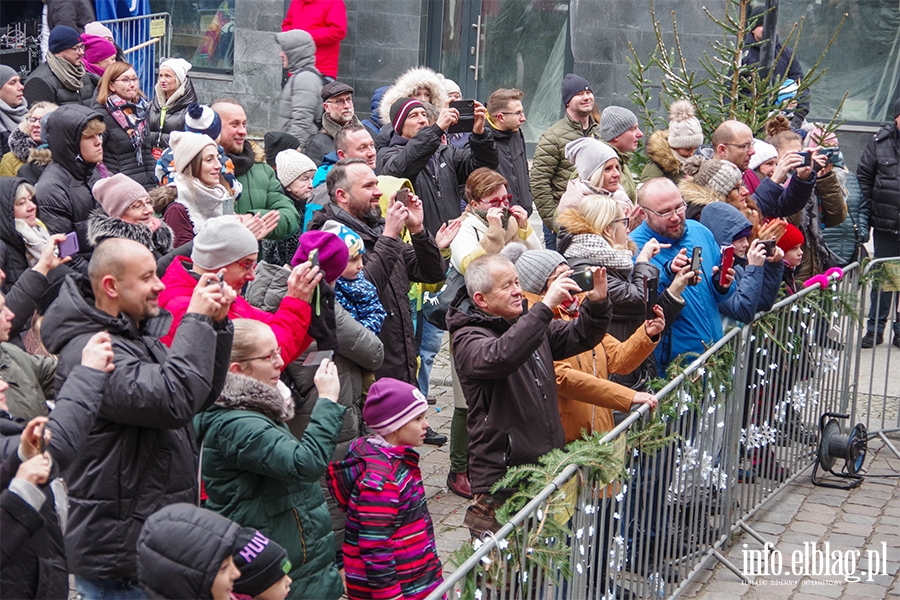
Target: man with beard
[
  {"x": 551, "y": 170},
  {"x": 418, "y": 151},
  {"x": 337, "y": 100},
  {"x": 699, "y": 324},
  {"x": 389, "y": 263},
  {"x": 140, "y": 454},
  {"x": 261, "y": 191}
]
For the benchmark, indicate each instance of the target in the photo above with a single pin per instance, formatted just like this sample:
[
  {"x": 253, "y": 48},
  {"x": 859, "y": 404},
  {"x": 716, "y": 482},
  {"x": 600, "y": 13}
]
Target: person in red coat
[{"x": 326, "y": 22}]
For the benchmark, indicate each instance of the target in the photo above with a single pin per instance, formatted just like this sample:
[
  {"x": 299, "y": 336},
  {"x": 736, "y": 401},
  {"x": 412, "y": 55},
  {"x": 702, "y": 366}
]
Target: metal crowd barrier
[
  {"x": 145, "y": 40},
  {"x": 874, "y": 401},
  {"x": 743, "y": 425}
]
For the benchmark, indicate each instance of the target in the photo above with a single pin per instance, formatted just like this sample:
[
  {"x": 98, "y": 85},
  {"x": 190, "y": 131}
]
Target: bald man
[
  {"x": 140, "y": 454},
  {"x": 733, "y": 141}
]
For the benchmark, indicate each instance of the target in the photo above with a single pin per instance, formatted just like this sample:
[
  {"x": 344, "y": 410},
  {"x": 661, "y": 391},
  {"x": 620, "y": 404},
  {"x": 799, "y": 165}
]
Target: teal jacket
[
  {"x": 259, "y": 475},
  {"x": 262, "y": 191}
]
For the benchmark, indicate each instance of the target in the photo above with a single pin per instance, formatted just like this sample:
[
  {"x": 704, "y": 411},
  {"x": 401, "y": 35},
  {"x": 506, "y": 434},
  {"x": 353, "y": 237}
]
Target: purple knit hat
[
  {"x": 333, "y": 253},
  {"x": 391, "y": 404},
  {"x": 96, "y": 49}
]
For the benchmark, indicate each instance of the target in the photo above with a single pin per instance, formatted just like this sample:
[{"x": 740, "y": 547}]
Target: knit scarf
[
  {"x": 11, "y": 117},
  {"x": 596, "y": 248},
  {"x": 203, "y": 203},
  {"x": 132, "y": 117},
  {"x": 35, "y": 239},
  {"x": 70, "y": 75},
  {"x": 482, "y": 216}
]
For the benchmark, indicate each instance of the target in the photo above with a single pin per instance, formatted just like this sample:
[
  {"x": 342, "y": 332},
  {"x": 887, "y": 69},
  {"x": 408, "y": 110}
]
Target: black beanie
[
  {"x": 573, "y": 84},
  {"x": 276, "y": 141},
  {"x": 261, "y": 561}
]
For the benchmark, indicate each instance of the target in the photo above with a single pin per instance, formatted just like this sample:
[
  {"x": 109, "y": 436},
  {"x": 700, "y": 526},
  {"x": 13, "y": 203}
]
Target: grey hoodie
[{"x": 301, "y": 106}]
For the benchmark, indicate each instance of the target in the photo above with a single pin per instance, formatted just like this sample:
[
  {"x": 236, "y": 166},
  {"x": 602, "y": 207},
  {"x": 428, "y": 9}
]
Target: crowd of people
[{"x": 215, "y": 355}]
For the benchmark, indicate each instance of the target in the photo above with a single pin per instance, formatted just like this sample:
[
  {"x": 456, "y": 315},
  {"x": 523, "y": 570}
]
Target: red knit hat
[{"x": 792, "y": 238}]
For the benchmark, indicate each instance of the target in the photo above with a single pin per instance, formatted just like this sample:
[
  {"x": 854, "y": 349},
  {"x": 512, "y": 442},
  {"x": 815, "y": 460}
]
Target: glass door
[{"x": 492, "y": 44}]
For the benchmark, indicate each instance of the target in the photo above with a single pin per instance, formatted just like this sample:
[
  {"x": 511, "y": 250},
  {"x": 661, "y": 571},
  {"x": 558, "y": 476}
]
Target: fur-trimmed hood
[
  {"x": 696, "y": 194},
  {"x": 101, "y": 226},
  {"x": 575, "y": 223},
  {"x": 245, "y": 393},
  {"x": 407, "y": 84},
  {"x": 21, "y": 145},
  {"x": 659, "y": 152}
]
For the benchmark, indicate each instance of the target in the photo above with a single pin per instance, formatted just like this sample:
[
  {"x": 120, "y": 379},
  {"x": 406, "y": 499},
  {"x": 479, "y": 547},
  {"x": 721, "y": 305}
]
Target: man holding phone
[
  {"x": 418, "y": 151},
  {"x": 699, "y": 324}
]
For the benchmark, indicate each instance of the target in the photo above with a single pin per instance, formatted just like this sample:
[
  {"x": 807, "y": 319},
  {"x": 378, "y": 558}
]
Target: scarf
[
  {"x": 132, "y": 117},
  {"x": 596, "y": 248},
  {"x": 482, "y": 215},
  {"x": 70, "y": 75},
  {"x": 11, "y": 117},
  {"x": 203, "y": 203},
  {"x": 35, "y": 239}
]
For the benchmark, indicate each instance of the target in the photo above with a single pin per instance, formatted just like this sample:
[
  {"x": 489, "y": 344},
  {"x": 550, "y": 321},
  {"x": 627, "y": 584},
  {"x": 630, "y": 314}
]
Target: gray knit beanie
[
  {"x": 588, "y": 155},
  {"x": 6, "y": 73},
  {"x": 614, "y": 121},
  {"x": 222, "y": 241},
  {"x": 720, "y": 176},
  {"x": 535, "y": 267},
  {"x": 684, "y": 127}
]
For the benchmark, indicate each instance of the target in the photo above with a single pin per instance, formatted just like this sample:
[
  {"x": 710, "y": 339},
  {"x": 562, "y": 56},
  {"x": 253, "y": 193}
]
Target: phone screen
[
  {"x": 315, "y": 358},
  {"x": 695, "y": 258}
]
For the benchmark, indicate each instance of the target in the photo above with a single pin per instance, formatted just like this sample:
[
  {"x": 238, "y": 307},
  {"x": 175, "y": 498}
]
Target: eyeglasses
[
  {"x": 347, "y": 100},
  {"x": 744, "y": 146},
  {"x": 79, "y": 49},
  {"x": 669, "y": 213},
  {"x": 139, "y": 204},
  {"x": 34, "y": 120},
  {"x": 624, "y": 220},
  {"x": 518, "y": 113},
  {"x": 127, "y": 79},
  {"x": 247, "y": 266},
  {"x": 273, "y": 358},
  {"x": 498, "y": 202}
]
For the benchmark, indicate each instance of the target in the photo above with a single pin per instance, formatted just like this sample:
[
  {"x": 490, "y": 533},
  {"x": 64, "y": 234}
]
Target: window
[
  {"x": 864, "y": 58},
  {"x": 202, "y": 32}
]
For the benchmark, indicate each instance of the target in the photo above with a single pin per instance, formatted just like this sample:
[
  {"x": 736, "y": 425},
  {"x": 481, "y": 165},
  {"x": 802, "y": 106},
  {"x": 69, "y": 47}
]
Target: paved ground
[{"x": 865, "y": 519}]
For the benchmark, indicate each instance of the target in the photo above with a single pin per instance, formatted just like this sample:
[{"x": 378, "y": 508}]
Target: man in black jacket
[
  {"x": 62, "y": 79},
  {"x": 339, "y": 112},
  {"x": 390, "y": 264},
  {"x": 505, "y": 118},
  {"x": 140, "y": 455},
  {"x": 879, "y": 181},
  {"x": 504, "y": 357},
  {"x": 418, "y": 152}
]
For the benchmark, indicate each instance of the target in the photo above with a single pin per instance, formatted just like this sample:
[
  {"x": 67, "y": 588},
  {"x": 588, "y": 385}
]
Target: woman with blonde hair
[
  {"x": 596, "y": 234},
  {"x": 25, "y": 138},
  {"x": 126, "y": 148}
]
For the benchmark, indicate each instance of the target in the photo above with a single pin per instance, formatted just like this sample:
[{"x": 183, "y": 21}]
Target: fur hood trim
[
  {"x": 659, "y": 152},
  {"x": 259, "y": 155},
  {"x": 21, "y": 145},
  {"x": 407, "y": 84},
  {"x": 697, "y": 194},
  {"x": 245, "y": 393},
  {"x": 40, "y": 156},
  {"x": 101, "y": 226},
  {"x": 162, "y": 197},
  {"x": 575, "y": 223}
]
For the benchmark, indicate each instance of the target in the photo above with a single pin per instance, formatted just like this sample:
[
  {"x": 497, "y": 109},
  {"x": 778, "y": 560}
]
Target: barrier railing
[
  {"x": 874, "y": 394},
  {"x": 145, "y": 40},
  {"x": 740, "y": 423}
]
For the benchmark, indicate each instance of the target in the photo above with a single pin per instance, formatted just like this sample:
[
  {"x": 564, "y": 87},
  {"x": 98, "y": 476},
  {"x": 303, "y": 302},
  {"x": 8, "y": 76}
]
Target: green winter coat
[
  {"x": 550, "y": 169},
  {"x": 262, "y": 192},
  {"x": 30, "y": 380},
  {"x": 259, "y": 475}
]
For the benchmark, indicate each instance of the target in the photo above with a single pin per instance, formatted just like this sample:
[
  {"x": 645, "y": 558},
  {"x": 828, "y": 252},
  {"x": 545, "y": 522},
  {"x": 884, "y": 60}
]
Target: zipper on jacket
[{"x": 302, "y": 538}]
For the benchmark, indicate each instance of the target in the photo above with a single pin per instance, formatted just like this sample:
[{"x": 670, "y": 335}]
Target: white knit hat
[
  {"x": 97, "y": 28},
  {"x": 684, "y": 127},
  {"x": 763, "y": 152},
  {"x": 290, "y": 164},
  {"x": 179, "y": 66},
  {"x": 186, "y": 145},
  {"x": 222, "y": 241}
]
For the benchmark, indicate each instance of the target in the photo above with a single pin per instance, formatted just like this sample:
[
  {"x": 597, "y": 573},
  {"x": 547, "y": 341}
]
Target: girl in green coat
[{"x": 259, "y": 475}]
